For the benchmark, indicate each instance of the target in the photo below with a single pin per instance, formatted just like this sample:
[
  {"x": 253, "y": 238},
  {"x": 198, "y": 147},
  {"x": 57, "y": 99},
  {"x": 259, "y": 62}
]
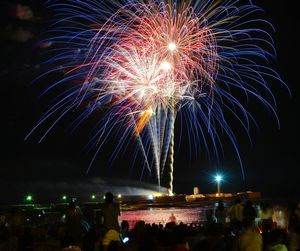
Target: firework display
[{"x": 146, "y": 63}]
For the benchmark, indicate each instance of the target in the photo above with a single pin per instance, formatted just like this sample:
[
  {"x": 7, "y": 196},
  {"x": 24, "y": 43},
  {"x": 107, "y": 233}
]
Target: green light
[
  {"x": 29, "y": 198},
  {"x": 93, "y": 196},
  {"x": 64, "y": 197}
]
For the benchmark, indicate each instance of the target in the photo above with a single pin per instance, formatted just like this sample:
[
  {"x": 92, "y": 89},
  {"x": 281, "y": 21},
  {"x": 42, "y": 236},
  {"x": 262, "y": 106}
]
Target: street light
[
  {"x": 29, "y": 198},
  {"x": 218, "y": 179}
]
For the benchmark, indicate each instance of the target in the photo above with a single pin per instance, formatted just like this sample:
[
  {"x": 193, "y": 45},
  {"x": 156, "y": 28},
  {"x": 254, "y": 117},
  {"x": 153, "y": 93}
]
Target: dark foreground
[{"x": 33, "y": 227}]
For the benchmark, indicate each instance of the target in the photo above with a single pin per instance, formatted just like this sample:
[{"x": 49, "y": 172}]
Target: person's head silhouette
[{"x": 109, "y": 198}]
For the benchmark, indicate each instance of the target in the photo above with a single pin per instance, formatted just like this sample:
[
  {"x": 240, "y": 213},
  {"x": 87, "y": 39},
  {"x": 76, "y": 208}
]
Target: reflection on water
[
  {"x": 196, "y": 215},
  {"x": 163, "y": 215}
]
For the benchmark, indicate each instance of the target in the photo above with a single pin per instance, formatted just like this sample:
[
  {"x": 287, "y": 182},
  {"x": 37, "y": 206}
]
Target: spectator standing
[
  {"x": 249, "y": 212},
  {"x": 73, "y": 228},
  {"x": 110, "y": 213},
  {"x": 220, "y": 213},
  {"x": 236, "y": 215}
]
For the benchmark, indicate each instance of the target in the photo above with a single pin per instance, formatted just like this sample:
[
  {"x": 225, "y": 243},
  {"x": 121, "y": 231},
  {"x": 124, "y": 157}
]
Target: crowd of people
[{"x": 233, "y": 228}]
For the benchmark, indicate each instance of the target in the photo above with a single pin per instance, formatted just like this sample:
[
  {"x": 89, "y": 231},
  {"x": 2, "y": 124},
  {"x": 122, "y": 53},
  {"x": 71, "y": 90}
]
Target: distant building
[{"x": 196, "y": 190}]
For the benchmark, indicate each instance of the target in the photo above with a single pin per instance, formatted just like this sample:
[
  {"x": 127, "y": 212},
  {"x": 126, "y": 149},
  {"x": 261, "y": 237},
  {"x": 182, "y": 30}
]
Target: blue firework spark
[{"x": 147, "y": 63}]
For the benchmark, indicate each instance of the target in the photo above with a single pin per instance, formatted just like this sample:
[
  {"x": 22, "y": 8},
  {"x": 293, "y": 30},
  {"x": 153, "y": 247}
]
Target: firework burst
[{"x": 147, "y": 62}]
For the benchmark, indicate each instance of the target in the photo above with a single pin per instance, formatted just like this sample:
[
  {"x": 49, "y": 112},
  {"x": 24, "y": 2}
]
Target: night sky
[{"x": 271, "y": 162}]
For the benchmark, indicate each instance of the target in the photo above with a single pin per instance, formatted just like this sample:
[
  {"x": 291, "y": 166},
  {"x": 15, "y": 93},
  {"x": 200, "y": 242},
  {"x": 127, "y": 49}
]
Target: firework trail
[{"x": 146, "y": 62}]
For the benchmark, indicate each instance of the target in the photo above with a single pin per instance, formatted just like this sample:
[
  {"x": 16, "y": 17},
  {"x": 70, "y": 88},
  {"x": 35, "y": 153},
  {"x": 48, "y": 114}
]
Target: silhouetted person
[
  {"x": 110, "y": 213},
  {"x": 73, "y": 228},
  {"x": 172, "y": 218},
  {"x": 89, "y": 215},
  {"x": 220, "y": 213},
  {"x": 249, "y": 212},
  {"x": 209, "y": 213},
  {"x": 236, "y": 215},
  {"x": 124, "y": 232}
]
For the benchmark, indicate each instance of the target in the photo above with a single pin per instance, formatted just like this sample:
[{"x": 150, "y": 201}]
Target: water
[
  {"x": 164, "y": 215},
  {"x": 195, "y": 215}
]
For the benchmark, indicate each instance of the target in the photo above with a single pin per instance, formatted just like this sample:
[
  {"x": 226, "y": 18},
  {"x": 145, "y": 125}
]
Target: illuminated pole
[{"x": 218, "y": 179}]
